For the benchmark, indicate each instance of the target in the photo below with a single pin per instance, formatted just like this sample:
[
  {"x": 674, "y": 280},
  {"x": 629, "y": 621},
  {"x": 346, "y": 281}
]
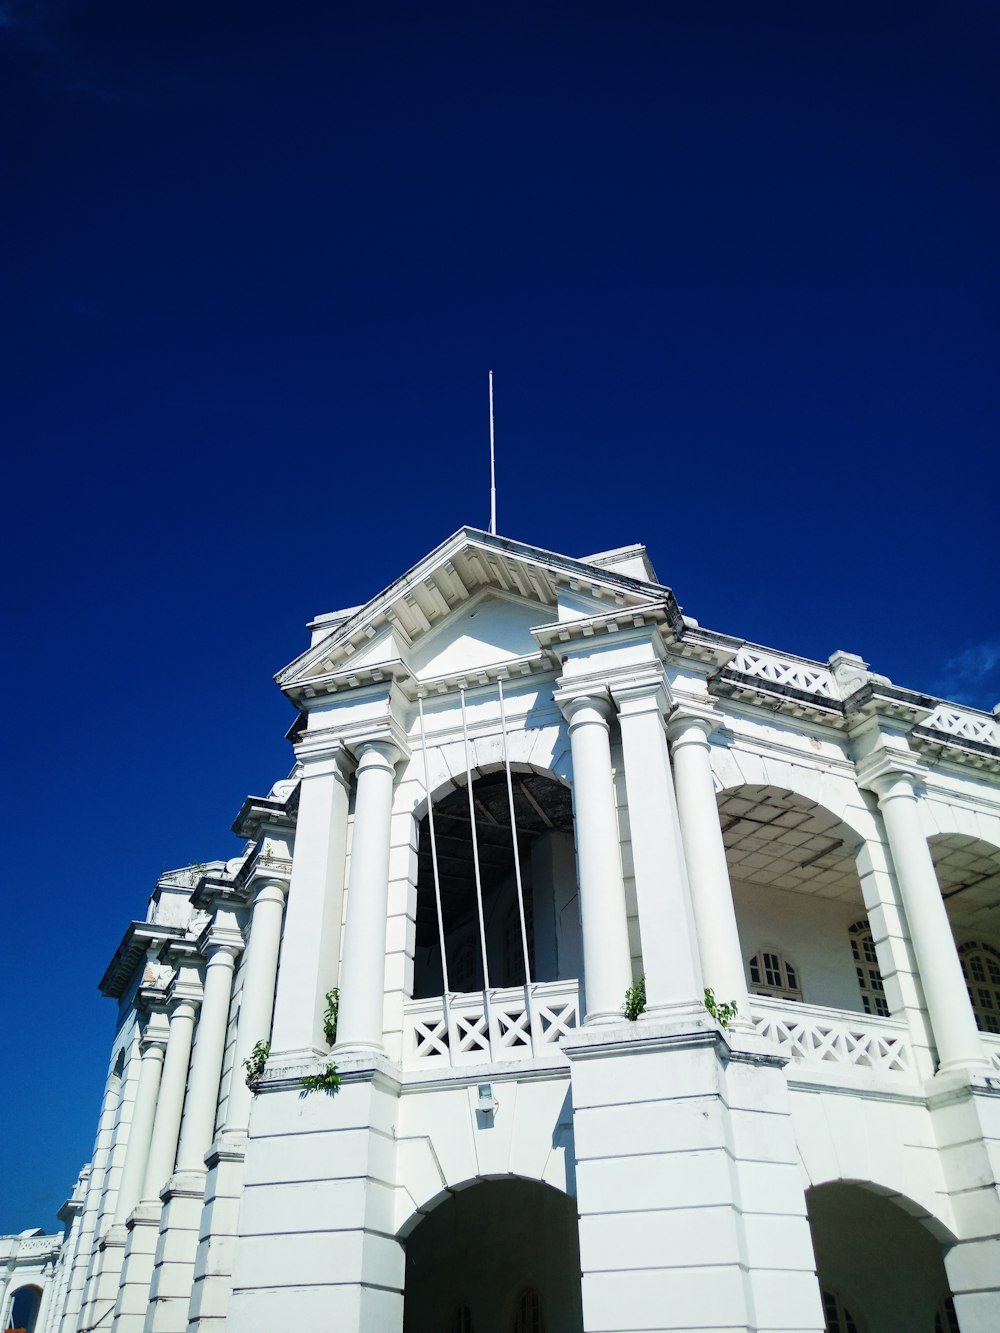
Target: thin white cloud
[{"x": 973, "y": 675}]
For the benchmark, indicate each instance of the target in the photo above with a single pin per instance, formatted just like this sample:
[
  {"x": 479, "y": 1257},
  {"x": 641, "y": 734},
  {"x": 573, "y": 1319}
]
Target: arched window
[
  {"x": 771, "y": 974},
  {"x": 981, "y": 969},
  {"x": 24, "y": 1308},
  {"x": 461, "y": 1320},
  {"x": 838, "y": 1318},
  {"x": 528, "y": 1312},
  {"x": 866, "y": 966},
  {"x": 946, "y": 1320}
]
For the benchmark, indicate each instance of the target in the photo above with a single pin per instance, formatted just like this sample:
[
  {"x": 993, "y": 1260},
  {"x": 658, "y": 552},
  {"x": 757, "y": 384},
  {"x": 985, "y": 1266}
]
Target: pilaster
[{"x": 310, "y": 951}]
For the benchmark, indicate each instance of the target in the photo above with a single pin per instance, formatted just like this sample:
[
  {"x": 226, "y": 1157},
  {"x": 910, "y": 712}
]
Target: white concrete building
[{"x": 522, "y": 782}]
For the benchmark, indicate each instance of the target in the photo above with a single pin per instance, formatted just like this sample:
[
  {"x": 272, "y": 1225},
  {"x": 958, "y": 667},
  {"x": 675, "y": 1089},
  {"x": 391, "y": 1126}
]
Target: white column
[
  {"x": 206, "y": 1066},
  {"x": 666, "y": 921},
  {"x": 362, "y": 978},
  {"x": 607, "y": 962},
  {"x": 948, "y": 1006},
  {"x": 170, "y": 1103},
  {"x": 256, "y": 995},
  {"x": 310, "y": 950},
  {"x": 153, "y": 1044},
  {"x": 708, "y": 870}
]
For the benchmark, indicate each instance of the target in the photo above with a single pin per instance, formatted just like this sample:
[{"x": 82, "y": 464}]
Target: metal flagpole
[
  {"x": 437, "y": 883},
  {"x": 493, "y": 468}
]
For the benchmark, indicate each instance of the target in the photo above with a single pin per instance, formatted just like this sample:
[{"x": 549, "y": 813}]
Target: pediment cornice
[{"x": 467, "y": 564}]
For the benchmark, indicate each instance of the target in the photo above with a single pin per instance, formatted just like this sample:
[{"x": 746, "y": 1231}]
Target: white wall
[{"x": 810, "y": 932}]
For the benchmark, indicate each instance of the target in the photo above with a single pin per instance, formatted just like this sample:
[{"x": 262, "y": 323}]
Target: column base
[
  {"x": 176, "y": 1251},
  {"x": 212, "y": 1288},
  {"x": 350, "y": 1276},
  {"x": 137, "y": 1271},
  {"x": 659, "y": 1123},
  {"x": 101, "y": 1291}
]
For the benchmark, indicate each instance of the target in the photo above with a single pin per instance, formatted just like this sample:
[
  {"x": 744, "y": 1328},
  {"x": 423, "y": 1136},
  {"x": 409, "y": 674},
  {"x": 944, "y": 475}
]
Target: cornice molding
[{"x": 138, "y": 940}]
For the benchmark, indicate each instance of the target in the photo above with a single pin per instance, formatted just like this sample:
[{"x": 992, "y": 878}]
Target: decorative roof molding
[
  {"x": 138, "y": 940},
  {"x": 469, "y": 561},
  {"x": 256, "y": 811}
]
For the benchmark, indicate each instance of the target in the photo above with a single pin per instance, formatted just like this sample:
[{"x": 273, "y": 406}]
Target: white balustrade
[
  {"x": 992, "y": 1047},
  {"x": 966, "y": 726},
  {"x": 793, "y": 671},
  {"x": 818, "y": 1038},
  {"x": 501, "y": 1035}
]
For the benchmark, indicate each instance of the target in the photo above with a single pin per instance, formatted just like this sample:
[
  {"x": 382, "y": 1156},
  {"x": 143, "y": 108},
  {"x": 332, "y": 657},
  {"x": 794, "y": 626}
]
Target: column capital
[
  {"x": 220, "y": 938},
  {"x": 377, "y": 751},
  {"x": 647, "y": 692},
  {"x": 693, "y": 723},
  {"x": 574, "y": 700},
  {"x": 322, "y": 756},
  {"x": 268, "y": 888},
  {"x": 154, "y": 1038},
  {"x": 890, "y": 773}
]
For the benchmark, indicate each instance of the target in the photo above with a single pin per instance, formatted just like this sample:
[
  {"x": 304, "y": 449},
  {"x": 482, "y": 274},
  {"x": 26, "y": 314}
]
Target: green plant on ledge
[
  {"x": 254, "y": 1064},
  {"x": 722, "y": 1013},
  {"x": 635, "y": 1000},
  {"x": 331, "y": 1014},
  {"x": 327, "y": 1081}
]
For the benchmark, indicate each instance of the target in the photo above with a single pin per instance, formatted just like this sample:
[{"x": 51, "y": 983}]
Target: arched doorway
[
  {"x": 880, "y": 1269},
  {"x": 543, "y": 812},
  {"x": 24, "y": 1308},
  {"x": 502, "y": 1256}
]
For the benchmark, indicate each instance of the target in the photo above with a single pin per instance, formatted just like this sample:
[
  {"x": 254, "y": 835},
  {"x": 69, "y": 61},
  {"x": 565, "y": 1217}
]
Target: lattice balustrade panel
[
  {"x": 504, "y": 1034},
  {"x": 819, "y": 1040},
  {"x": 992, "y": 1045},
  {"x": 966, "y": 726},
  {"x": 784, "y": 671}
]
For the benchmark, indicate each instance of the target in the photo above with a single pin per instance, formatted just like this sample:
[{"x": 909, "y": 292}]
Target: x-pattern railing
[
  {"x": 504, "y": 1030},
  {"x": 818, "y": 1038}
]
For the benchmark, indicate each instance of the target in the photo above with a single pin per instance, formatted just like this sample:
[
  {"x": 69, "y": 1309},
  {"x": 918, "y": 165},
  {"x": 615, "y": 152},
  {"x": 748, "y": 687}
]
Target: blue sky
[{"x": 735, "y": 269}]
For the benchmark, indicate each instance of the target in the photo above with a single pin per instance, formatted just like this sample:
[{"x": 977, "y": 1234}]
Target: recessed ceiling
[
  {"x": 782, "y": 840},
  {"x": 968, "y": 871}
]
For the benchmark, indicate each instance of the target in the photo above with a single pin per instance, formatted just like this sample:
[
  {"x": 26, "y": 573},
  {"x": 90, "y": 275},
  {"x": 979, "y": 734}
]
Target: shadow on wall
[
  {"x": 502, "y": 1256},
  {"x": 880, "y": 1269}
]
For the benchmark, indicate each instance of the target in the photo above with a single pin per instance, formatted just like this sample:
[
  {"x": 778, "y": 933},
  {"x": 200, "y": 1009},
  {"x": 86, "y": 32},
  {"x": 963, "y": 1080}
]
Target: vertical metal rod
[
  {"x": 479, "y": 883},
  {"x": 493, "y": 467},
  {"x": 517, "y": 871},
  {"x": 437, "y": 884}
]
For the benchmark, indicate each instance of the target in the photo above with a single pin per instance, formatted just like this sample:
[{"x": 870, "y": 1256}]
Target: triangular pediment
[
  {"x": 492, "y": 627},
  {"x": 428, "y": 617}
]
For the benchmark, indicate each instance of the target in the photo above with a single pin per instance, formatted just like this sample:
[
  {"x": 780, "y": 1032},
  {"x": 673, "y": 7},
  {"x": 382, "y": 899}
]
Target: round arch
[
  {"x": 476, "y": 853},
  {"x": 447, "y": 779},
  {"x": 473, "y": 1257},
  {"x": 25, "y": 1303},
  {"x": 880, "y": 1252},
  {"x": 798, "y": 870}
]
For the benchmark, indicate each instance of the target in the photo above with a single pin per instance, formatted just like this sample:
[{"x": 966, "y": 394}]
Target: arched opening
[
  {"x": 799, "y": 905},
  {"x": 968, "y": 871},
  {"x": 24, "y": 1308},
  {"x": 880, "y": 1269},
  {"x": 543, "y": 814},
  {"x": 502, "y": 1256}
]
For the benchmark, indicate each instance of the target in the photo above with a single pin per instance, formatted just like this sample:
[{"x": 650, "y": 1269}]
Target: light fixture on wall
[{"x": 486, "y": 1103}]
